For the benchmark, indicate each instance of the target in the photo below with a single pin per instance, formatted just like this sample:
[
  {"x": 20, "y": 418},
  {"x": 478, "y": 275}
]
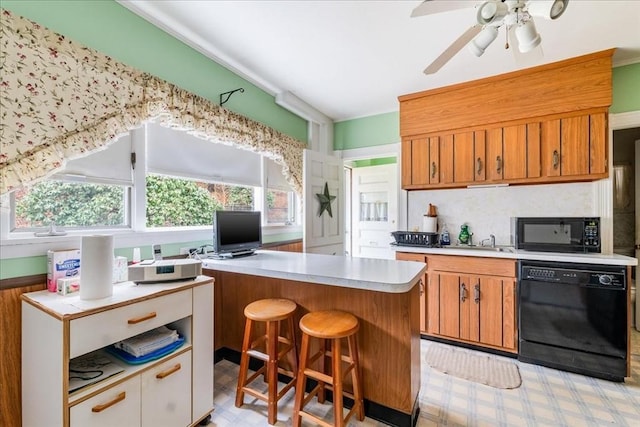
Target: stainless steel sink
[{"x": 482, "y": 248}]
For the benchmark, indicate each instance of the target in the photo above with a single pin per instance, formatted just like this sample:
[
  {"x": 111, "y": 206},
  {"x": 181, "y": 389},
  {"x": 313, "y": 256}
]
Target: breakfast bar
[{"x": 383, "y": 294}]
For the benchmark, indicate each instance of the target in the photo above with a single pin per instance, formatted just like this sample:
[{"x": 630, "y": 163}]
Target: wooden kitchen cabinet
[
  {"x": 472, "y": 299},
  {"x": 406, "y": 256},
  {"x": 175, "y": 389},
  {"x": 420, "y": 161},
  {"x": 575, "y": 147}
]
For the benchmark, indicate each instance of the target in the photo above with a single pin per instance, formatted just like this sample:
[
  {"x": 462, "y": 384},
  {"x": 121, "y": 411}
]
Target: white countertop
[
  {"x": 605, "y": 259},
  {"x": 380, "y": 275}
]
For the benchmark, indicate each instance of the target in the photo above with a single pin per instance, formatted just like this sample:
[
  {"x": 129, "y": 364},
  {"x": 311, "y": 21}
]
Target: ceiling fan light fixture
[
  {"x": 491, "y": 11},
  {"x": 528, "y": 37},
  {"x": 483, "y": 40},
  {"x": 547, "y": 9}
]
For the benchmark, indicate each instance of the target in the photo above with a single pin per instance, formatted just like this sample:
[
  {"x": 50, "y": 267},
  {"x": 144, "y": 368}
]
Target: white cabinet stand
[{"x": 173, "y": 390}]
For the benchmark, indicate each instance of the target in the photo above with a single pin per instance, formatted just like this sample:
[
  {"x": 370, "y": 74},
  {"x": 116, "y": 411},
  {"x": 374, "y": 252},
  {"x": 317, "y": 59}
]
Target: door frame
[{"x": 604, "y": 187}]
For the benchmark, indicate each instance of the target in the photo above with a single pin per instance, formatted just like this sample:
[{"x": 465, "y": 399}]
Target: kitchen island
[{"x": 383, "y": 294}]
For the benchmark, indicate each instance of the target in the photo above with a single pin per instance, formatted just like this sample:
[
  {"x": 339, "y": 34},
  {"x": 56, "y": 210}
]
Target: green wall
[
  {"x": 368, "y": 131},
  {"x": 115, "y": 31},
  {"x": 374, "y": 162},
  {"x": 626, "y": 89}
]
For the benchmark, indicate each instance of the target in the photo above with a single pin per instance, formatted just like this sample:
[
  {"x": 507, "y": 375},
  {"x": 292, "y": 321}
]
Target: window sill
[{"x": 20, "y": 245}]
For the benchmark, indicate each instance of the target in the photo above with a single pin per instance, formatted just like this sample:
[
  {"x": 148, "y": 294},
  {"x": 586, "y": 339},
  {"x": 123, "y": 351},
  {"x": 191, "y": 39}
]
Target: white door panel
[
  {"x": 323, "y": 234},
  {"x": 374, "y": 207}
]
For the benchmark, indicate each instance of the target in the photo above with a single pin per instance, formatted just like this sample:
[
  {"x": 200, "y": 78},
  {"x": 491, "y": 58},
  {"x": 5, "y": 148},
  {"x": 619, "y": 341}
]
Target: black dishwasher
[{"x": 573, "y": 317}]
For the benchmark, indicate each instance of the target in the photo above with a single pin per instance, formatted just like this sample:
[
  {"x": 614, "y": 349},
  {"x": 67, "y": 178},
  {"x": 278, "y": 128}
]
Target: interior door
[
  {"x": 374, "y": 203},
  {"x": 322, "y": 232}
]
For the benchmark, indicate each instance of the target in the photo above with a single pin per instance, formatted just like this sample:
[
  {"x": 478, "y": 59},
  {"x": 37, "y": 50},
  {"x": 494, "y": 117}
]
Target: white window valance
[{"x": 60, "y": 100}]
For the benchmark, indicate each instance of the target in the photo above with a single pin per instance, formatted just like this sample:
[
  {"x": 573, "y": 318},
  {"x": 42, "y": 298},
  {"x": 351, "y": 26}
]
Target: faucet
[{"x": 491, "y": 239}]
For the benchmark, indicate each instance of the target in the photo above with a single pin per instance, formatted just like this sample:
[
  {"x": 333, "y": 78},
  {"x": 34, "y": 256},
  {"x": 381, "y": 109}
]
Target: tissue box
[
  {"x": 60, "y": 264},
  {"x": 120, "y": 270},
  {"x": 68, "y": 285}
]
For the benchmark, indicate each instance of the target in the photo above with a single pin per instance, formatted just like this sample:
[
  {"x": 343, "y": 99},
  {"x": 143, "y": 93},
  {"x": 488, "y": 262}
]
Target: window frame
[{"x": 25, "y": 244}]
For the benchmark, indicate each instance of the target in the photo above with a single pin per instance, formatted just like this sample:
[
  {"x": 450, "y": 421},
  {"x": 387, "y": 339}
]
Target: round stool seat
[
  {"x": 269, "y": 310},
  {"x": 329, "y": 324}
]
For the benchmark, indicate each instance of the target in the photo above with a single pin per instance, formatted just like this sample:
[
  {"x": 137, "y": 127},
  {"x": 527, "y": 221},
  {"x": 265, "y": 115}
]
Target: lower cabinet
[
  {"x": 117, "y": 406},
  {"x": 469, "y": 299}
]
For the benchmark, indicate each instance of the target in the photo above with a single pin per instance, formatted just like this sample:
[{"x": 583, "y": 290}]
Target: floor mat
[{"x": 481, "y": 368}]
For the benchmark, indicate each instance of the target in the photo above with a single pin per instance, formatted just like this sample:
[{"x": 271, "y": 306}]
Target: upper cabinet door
[
  {"x": 407, "y": 169},
  {"x": 574, "y": 146},
  {"x": 420, "y": 161},
  {"x": 534, "y": 162},
  {"x": 598, "y": 131},
  {"x": 494, "y": 154},
  {"x": 514, "y": 149},
  {"x": 550, "y": 146},
  {"x": 464, "y": 157},
  {"x": 446, "y": 159}
]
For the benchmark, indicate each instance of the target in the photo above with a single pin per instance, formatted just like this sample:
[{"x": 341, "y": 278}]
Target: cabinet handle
[
  {"x": 421, "y": 284},
  {"x": 168, "y": 372},
  {"x": 479, "y": 165},
  {"x": 463, "y": 292},
  {"x": 119, "y": 398},
  {"x": 433, "y": 169},
  {"x": 556, "y": 159},
  {"x": 476, "y": 294},
  {"x": 498, "y": 164},
  {"x": 142, "y": 318}
]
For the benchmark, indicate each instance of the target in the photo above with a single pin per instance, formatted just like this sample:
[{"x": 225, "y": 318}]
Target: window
[
  {"x": 70, "y": 204},
  {"x": 177, "y": 202},
  {"x": 281, "y": 207}
]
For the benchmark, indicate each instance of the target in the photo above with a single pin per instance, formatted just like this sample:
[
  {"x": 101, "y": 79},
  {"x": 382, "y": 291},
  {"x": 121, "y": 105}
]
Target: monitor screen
[{"x": 236, "y": 231}]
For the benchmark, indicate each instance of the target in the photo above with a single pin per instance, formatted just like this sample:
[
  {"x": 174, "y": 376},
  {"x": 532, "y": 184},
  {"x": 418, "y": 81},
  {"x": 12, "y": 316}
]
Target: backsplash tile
[{"x": 488, "y": 210}]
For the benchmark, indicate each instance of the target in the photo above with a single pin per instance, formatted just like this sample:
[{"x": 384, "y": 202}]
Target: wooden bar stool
[
  {"x": 330, "y": 327},
  {"x": 274, "y": 346}
]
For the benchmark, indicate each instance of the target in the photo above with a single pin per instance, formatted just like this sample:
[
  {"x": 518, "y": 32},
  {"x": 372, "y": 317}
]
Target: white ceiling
[{"x": 352, "y": 59}]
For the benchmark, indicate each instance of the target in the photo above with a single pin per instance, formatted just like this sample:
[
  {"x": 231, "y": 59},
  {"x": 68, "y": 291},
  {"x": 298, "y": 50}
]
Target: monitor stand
[{"x": 229, "y": 255}]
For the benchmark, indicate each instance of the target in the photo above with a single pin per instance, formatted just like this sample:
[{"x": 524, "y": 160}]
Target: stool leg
[
  {"x": 322, "y": 368},
  {"x": 302, "y": 380},
  {"x": 244, "y": 363},
  {"x": 356, "y": 377},
  {"x": 272, "y": 369},
  {"x": 336, "y": 359},
  {"x": 292, "y": 355}
]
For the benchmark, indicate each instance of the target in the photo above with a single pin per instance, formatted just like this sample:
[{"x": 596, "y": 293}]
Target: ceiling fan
[{"x": 515, "y": 15}]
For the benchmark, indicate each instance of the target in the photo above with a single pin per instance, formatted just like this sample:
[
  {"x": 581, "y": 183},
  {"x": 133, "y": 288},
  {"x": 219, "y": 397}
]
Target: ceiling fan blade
[
  {"x": 430, "y": 7},
  {"x": 454, "y": 48}
]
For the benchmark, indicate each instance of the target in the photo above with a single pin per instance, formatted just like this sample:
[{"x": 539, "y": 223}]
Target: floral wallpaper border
[{"x": 60, "y": 100}]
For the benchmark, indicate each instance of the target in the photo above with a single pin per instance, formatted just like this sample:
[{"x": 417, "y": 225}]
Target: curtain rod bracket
[{"x": 228, "y": 95}]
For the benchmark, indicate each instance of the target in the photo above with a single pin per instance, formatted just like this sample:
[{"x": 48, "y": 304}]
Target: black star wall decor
[{"x": 325, "y": 200}]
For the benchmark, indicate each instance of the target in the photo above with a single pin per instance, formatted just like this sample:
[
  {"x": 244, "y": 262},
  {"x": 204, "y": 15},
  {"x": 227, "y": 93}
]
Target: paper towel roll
[
  {"x": 429, "y": 224},
  {"x": 96, "y": 261}
]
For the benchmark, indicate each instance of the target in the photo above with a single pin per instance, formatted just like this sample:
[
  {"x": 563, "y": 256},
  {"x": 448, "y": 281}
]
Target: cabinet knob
[{"x": 119, "y": 398}]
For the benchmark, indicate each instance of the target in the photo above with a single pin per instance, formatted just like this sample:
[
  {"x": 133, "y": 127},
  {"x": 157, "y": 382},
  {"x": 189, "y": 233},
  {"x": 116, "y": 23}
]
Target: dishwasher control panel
[{"x": 592, "y": 276}]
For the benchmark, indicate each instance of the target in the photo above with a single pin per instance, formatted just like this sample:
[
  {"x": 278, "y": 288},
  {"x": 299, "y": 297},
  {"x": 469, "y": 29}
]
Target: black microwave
[{"x": 556, "y": 234}]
